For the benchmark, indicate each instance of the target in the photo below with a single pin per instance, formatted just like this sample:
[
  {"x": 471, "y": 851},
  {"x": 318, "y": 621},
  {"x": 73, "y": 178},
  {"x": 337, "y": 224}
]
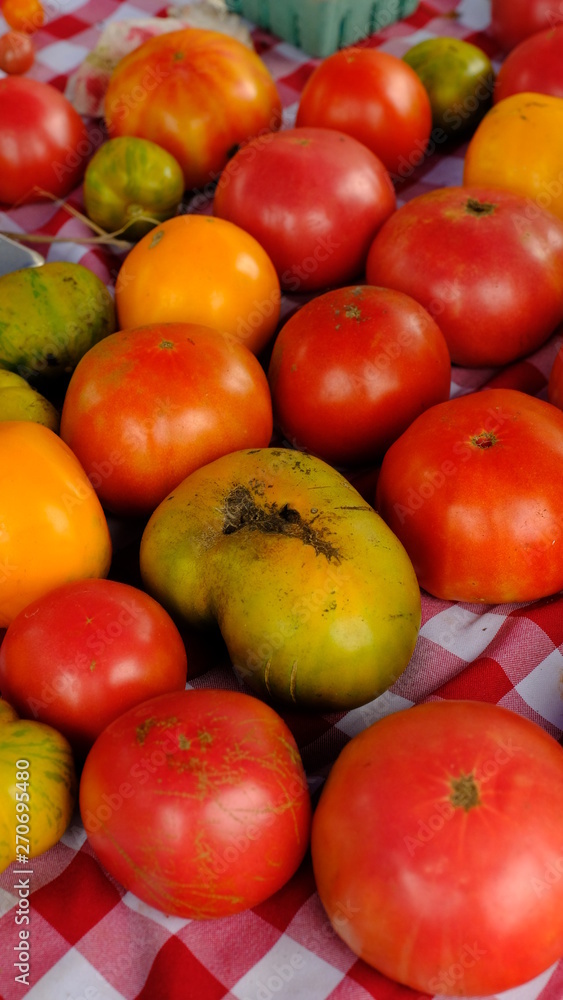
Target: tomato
[
  {"x": 197, "y": 269},
  {"x": 196, "y": 93},
  {"x": 16, "y": 52},
  {"x": 514, "y": 20},
  {"x": 489, "y": 270},
  {"x": 313, "y": 198},
  {"x": 438, "y": 830},
  {"x": 555, "y": 382},
  {"x": 351, "y": 369},
  {"x": 43, "y": 141},
  {"x": 37, "y": 787},
  {"x": 458, "y": 78},
  {"x": 52, "y": 527},
  {"x": 518, "y": 147},
  {"x": 197, "y": 802},
  {"x": 21, "y": 401},
  {"x": 132, "y": 184},
  {"x": 473, "y": 489},
  {"x": 23, "y": 15},
  {"x": 187, "y": 394},
  {"x": 374, "y": 97},
  {"x": 315, "y": 598},
  {"x": 103, "y": 647},
  {"x": 535, "y": 66}
]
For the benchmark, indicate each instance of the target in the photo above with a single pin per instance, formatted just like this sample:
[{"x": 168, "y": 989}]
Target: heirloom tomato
[
  {"x": 197, "y": 269},
  {"x": 196, "y": 93},
  {"x": 52, "y": 527},
  {"x": 489, "y": 269},
  {"x": 534, "y": 66},
  {"x": 514, "y": 20},
  {"x": 438, "y": 835},
  {"x": 43, "y": 141},
  {"x": 313, "y": 198},
  {"x": 374, "y": 97},
  {"x": 187, "y": 394},
  {"x": 474, "y": 491},
  {"x": 103, "y": 647},
  {"x": 197, "y": 802},
  {"x": 352, "y": 368}
]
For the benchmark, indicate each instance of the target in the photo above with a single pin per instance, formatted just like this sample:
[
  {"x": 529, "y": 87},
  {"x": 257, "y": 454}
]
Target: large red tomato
[
  {"x": 85, "y": 652},
  {"x": 196, "y": 93},
  {"x": 145, "y": 407},
  {"x": 514, "y": 20},
  {"x": 534, "y": 66},
  {"x": 485, "y": 266},
  {"x": 375, "y": 97},
  {"x": 43, "y": 141},
  {"x": 197, "y": 802},
  {"x": 351, "y": 369},
  {"x": 474, "y": 491},
  {"x": 313, "y": 198},
  {"x": 436, "y": 848}
]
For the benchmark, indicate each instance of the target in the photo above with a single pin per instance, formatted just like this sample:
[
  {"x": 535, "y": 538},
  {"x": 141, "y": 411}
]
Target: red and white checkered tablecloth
[{"x": 92, "y": 940}]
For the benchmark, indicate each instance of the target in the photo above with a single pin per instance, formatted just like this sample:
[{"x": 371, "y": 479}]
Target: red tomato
[
  {"x": 197, "y": 94},
  {"x": 435, "y": 844},
  {"x": 351, "y": 369},
  {"x": 374, "y": 97},
  {"x": 555, "y": 383},
  {"x": 474, "y": 491},
  {"x": 197, "y": 802},
  {"x": 186, "y": 395},
  {"x": 16, "y": 52},
  {"x": 101, "y": 646},
  {"x": 534, "y": 66},
  {"x": 43, "y": 141},
  {"x": 487, "y": 265},
  {"x": 314, "y": 199},
  {"x": 514, "y": 20}
]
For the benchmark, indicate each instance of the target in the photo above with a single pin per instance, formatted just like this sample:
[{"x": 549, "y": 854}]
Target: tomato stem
[{"x": 465, "y": 792}]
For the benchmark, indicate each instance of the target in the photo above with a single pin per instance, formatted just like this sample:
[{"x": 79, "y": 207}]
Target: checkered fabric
[{"x": 91, "y": 939}]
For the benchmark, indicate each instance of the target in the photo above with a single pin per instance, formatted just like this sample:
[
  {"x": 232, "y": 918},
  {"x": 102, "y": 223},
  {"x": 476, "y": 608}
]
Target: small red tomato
[{"x": 16, "y": 52}]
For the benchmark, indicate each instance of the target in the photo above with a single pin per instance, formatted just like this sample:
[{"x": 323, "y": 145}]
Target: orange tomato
[
  {"x": 52, "y": 526},
  {"x": 199, "y": 269},
  {"x": 518, "y": 147},
  {"x": 23, "y": 15}
]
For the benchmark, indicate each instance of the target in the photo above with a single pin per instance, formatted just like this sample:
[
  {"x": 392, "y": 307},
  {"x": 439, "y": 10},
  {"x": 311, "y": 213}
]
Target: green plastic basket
[{"x": 320, "y": 27}]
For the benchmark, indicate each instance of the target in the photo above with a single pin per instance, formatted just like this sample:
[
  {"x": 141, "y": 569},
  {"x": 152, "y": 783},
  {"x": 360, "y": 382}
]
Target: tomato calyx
[
  {"x": 465, "y": 792},
  {"x": 483, "y": 440},
  {"x": 478, "y": 208}
]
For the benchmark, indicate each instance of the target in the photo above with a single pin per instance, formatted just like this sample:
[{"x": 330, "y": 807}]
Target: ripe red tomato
[
  {"x": 489, "y": 269},
  {"x": 435, "y": 844},
  {"x": 197, "y": 802},
  {"x": 102, "y": 647},
  {"x": 313, "y": 198},
  {"x": 197, "y": 94},
  {"x": 534, "y": 66},
  {"x": 374, "y": 97},
  {"x": 474, "y": 491},
  {"x": 186, "y": 395},
  {"x": 514, "y": 20},
  {"x": 351, "y": 369},
  {"x": 16, "y": 52},
  {"x": 43, "y": 141}
]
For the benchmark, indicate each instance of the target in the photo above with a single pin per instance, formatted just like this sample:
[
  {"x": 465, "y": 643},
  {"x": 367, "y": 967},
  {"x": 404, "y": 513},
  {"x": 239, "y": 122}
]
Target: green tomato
[
  {"x": 458, "y": 78},
  {"x": 132, "y": 180}
]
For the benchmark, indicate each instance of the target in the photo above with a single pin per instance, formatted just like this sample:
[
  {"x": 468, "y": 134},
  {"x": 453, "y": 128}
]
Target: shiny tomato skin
[
  {"x": 488, "y": 270},
  {"x": 474, "y": 491},
  {"x": 196, "y": 93},
  {"x": 534, "y": 66},
  {"x": 438, "y": 829},
  {"x": 102, "y": 647},
  {"x": 16, "y": 52},
  {"x": 43, "y": 141},
  {"x": 186, "y": 395},
  {"x": 514, "y": 20},
  {"x": 197, "y": 802},
  {"x": 352, "y": 368},
  {"x": 374, "y": 97},
  {"x": 313, "y": 198}
]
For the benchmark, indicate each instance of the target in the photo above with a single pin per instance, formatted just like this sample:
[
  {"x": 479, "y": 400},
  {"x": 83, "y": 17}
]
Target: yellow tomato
[
  {"x": 199, "y": 269},
  {"x": 52, "y": 525},
  {"x": 518, "y": 147}
]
